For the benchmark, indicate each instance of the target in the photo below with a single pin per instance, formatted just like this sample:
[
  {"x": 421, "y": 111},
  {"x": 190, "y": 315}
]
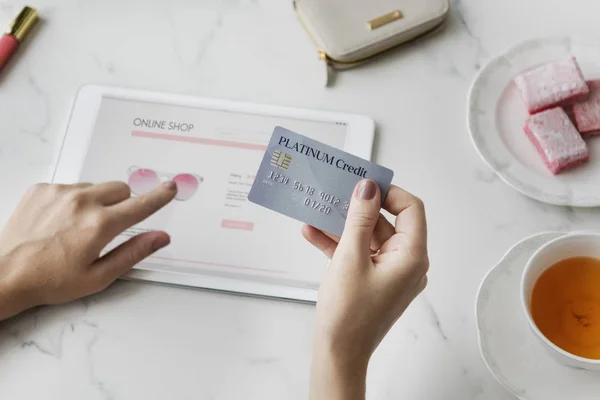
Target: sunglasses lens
[
  {"x": 187, "y": 185},
  {"x": 143, "y": 181}
]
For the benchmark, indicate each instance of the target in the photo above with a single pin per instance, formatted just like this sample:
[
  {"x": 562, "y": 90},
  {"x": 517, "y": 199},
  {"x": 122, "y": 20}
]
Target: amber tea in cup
[{"x": 565, "y": 305}]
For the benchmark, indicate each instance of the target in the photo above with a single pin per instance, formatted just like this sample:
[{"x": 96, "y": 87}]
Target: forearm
[
  {"x": 337, "y": 378},
  {"x": 11, "y": 297}
]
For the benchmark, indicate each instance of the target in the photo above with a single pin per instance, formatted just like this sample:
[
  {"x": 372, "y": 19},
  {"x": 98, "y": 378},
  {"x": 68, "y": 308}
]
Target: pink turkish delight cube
[
  {"x": 555, "y": 84},
  {"x": 557, "y": 140},
  {"x": 587, "y": 113}
]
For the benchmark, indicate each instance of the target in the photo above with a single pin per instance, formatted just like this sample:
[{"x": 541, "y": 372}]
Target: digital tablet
[{"x": 212, "y": 149}]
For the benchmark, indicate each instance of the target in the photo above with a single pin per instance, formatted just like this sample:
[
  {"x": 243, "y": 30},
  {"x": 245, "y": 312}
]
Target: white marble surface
[{"x": 140, "y": 341}]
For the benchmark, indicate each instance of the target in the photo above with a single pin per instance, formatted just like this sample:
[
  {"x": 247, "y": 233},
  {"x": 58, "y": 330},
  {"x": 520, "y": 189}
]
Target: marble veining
[
  {"x": 460, "y": 10},
  {"x": 434, "y": 318},
  {"x": 44, "y": 110}
]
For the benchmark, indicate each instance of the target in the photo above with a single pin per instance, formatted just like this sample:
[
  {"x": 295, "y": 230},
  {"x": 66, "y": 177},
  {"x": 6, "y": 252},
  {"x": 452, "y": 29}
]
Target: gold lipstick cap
[{"x": 22, "y": 24}]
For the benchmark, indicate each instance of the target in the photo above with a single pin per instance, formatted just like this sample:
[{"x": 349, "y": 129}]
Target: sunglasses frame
[{"x": 162, "y": 177}]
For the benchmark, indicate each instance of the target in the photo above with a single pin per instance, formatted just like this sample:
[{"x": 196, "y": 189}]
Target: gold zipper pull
[{"x": 330, "y": 72}]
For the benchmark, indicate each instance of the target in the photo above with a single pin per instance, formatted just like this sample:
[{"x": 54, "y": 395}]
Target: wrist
[
  {"x": 337, "y": 374},
  {"x": 12, "y": 296},
  {"x": 348, "y": 347}
]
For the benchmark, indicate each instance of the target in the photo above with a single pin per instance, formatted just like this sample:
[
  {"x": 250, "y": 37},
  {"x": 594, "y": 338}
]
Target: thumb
[
  {"x": 362, "y": 216},
  {"x": 125, "y": 256}
]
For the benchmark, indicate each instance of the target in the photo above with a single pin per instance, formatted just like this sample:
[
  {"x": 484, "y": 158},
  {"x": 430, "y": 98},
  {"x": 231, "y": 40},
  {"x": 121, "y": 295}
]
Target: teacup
[{"x": 560, "y": 294}]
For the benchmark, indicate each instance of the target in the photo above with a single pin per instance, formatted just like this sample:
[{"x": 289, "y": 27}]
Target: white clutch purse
[{"x": 350, "y": 32}]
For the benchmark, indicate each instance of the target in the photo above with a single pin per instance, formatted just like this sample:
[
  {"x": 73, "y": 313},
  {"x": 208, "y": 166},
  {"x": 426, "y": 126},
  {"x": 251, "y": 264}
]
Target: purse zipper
[
  {"x": 322, "y": 53},
  {"x": 328, "y": 59}
]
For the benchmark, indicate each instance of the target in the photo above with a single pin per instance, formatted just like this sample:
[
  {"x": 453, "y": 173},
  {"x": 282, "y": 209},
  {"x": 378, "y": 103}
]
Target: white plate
[
  {"x": 509, "y": 348},
  {"x": 496, "y": 117}
]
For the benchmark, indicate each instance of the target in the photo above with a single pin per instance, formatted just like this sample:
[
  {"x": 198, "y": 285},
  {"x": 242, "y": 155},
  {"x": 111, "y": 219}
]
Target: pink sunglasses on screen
[{"x": 143, "y": 180}]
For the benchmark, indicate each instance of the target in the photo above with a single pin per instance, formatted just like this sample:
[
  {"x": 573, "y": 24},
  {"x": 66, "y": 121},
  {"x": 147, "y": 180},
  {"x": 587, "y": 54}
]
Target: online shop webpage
[{"x": 213, "y": 156}]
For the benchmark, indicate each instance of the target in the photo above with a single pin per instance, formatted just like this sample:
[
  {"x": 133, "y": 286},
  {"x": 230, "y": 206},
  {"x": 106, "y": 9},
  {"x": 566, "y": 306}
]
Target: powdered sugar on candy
[
  {"x": 557, "y": 140},
  {"x": 560, "y": 83},
  {"x": 587, "y": 113}
]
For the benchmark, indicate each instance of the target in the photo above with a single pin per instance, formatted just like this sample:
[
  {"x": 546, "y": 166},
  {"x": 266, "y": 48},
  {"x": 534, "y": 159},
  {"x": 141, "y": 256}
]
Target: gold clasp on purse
[{"x": 384, "y": 19}]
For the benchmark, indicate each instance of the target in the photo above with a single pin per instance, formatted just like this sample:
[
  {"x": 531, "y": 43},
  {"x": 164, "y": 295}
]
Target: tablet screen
[{"x": 212, "y": 155}]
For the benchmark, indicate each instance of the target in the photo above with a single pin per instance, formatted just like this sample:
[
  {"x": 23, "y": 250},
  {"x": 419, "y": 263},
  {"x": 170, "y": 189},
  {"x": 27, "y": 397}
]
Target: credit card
[{"x": 311, "y": 181}]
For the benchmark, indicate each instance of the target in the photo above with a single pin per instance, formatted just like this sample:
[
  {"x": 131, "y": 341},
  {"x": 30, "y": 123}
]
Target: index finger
[
  {"x": 410, "y": 213},
  {"x": 136, "y": 209}
]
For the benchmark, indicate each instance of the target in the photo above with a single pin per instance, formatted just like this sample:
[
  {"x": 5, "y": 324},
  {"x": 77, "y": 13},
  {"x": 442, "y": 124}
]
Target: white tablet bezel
[{"x": 79, "y": 130}]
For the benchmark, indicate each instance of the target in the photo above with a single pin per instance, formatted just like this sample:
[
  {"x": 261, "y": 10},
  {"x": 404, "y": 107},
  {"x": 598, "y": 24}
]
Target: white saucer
[
  {"x": 496, "y": 117},
  {"x": 509, "y": 348}
]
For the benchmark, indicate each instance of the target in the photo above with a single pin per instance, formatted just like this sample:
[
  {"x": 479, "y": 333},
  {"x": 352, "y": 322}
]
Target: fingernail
[
  {"x": 170, "y": 185},
  {"x": 161, "y": 242},
  {"x": 366, "y": 189}
]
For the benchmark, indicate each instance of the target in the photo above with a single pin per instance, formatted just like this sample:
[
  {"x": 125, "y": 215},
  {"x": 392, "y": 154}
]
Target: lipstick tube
[{"x": 17, "y": 32}]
